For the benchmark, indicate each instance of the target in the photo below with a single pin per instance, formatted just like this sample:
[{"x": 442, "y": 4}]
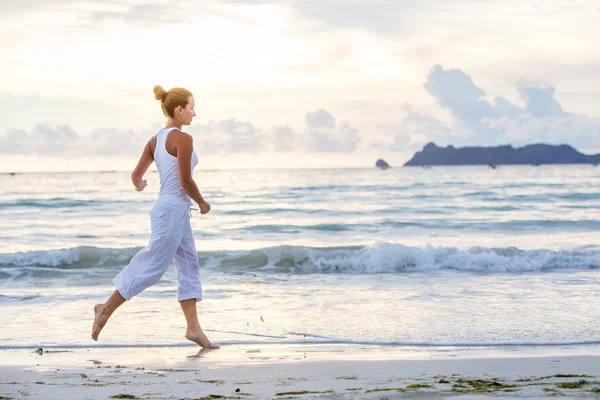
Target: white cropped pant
[{"x": 171, "y": 240}]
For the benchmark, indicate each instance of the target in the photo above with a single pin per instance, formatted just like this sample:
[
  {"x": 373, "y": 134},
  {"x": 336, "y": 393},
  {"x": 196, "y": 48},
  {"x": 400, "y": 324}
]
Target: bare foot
[
  {"x": 99, "y": 321},
  {"x": 200, "y": 339}
]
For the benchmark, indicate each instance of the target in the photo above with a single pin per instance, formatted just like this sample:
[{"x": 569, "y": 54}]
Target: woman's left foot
[{"x": 99, "y": 321}]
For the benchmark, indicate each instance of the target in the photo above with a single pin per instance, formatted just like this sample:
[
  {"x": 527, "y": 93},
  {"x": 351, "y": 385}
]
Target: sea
[{"x": 439, "y": 256}]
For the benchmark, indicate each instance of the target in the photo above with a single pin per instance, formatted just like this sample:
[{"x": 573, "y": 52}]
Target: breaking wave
[{"x": 379, "y": 258}]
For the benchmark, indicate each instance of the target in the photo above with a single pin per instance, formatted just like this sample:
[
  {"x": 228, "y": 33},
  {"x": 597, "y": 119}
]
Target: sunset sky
[{"x": 294, "y": 84}]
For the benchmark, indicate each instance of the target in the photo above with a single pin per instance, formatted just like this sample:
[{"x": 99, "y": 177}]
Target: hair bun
[{"x": 159, "y": 93}]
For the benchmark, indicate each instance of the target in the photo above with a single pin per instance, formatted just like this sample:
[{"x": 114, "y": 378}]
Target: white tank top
[{"x": 168, "y": 171}]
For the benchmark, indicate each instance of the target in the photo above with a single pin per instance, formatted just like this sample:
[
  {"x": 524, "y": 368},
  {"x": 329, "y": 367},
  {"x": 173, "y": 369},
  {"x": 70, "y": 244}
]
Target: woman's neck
[{"x": 173, "y": 124}]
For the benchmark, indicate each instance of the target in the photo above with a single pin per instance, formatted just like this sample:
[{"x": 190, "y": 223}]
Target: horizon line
[{"x": 294, "y": 169}]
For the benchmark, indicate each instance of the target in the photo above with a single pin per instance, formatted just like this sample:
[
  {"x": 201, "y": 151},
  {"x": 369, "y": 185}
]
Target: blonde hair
[{"x": 170, "y": 100}]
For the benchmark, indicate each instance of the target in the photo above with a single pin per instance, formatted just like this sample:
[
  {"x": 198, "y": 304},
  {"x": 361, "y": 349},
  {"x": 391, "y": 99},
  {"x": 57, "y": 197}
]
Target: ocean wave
[
  {"x": 449, "y": 223},
  {"x": 58, "y": 202},
  {"x": 77, "y": 257},
  {"x": 379, "y": 258},
  {"x": 10, "y": 299}
]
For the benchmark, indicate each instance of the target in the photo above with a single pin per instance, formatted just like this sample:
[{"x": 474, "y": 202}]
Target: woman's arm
[
  {"x": 145, "y": 161},
  {"x": 185, "y": 146}
]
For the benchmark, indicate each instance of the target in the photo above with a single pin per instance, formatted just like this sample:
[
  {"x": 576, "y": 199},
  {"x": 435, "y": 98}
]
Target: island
[
  {"x": 382, "y": 164},
  {"x": 533, "y": 154}
]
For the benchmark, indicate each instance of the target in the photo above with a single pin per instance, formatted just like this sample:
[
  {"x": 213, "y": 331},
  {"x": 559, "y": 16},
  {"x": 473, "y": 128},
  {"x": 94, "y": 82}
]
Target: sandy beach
[{"x": 300, "y": 371}]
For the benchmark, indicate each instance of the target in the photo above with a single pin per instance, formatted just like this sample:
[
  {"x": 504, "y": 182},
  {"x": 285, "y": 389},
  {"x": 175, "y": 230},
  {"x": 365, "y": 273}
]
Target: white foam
[
  {"x": 379, "y": 258},
  {"x": 83, "y": 256},
  {"x": 396, "y": 258},
  {"x": 46, "y": 258}
]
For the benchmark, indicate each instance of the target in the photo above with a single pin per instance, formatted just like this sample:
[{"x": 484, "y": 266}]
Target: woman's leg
[
  {"x": 147, "y": 266},
  {"x": 194, "y": 331},
  {"x": 103, "y": 312},
  {"x": 145, "y": 269},
  {"x": 189, "y": 291}
]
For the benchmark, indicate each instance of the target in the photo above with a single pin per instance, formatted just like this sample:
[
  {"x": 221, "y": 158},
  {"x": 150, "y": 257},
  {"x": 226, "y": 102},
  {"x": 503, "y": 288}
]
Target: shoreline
[
  {"x": 300, "y": 371},
  {"x": 397, "y": 345},
  {"x": 379, "y": 350}
]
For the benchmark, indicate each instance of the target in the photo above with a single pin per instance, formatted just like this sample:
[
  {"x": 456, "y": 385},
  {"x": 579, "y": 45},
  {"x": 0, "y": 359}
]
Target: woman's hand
[
  {"x": 139, "y": 186},
  {"x": 204, "y": 207},
  {"x": 146, "y": 159}
]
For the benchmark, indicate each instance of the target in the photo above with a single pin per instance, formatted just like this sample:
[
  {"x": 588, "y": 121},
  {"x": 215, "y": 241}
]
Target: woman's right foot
[{"x": 200, "y": 339}]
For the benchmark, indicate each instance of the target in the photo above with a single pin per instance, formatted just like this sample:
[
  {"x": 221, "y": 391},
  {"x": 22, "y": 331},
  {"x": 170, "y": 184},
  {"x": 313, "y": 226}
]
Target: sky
[{"x": 294, "y": 84}]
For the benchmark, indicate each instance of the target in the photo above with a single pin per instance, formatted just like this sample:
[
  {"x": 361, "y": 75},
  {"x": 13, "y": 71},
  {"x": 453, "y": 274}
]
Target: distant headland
[{"x": 533, "y": 154}]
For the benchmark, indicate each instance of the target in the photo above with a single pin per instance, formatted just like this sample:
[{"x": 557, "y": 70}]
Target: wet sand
[{"x": 300, "y": 371}]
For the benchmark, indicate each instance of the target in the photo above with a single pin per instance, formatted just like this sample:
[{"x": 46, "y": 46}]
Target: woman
[{"x": 171, "y": 238}]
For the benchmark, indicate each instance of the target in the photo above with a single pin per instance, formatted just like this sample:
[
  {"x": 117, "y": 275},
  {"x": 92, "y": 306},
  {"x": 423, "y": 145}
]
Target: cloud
[
  {"x": 540, "y": 102},
  {"x": 455, "y": 90},
  {"x": 139, "y": 14},
  {"x": 320, "y": 118},
  {"x": 92, "y": 12},
  {"x": 385, "y": 17},
  {"x": 321, "y": 134},
  {"x": 476, "y": 121},
  {"x": 380, "y": 16},
  {"x": 344, "y": 141},
  {"x": 9, "y": 7},
  {"x": 45, "y": 139},
  {"x": 283, "y": 138},
  {"x": 325, "y": 136},
  {"x": 418, "y": 129},
  {"x": 577, "y": 130},
  {"x": 226, "y": 136},
  {"x": 114, "y": 141}
]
